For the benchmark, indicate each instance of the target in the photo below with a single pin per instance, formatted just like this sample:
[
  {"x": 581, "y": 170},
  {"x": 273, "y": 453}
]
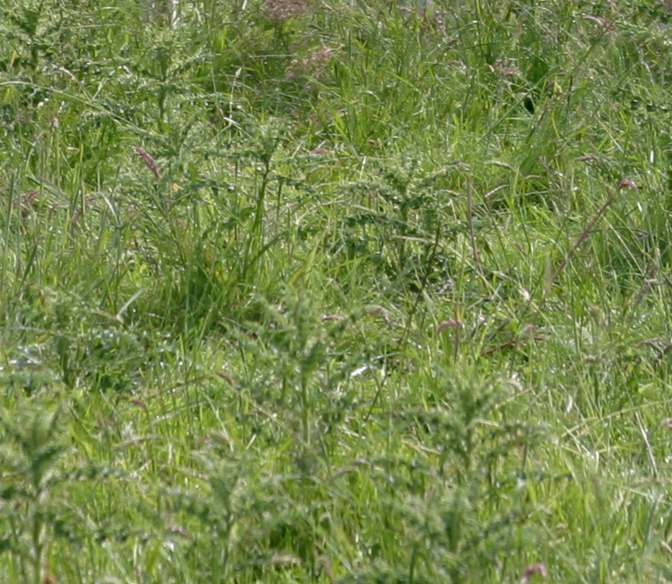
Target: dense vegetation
[{"x": 335, "y": 291}]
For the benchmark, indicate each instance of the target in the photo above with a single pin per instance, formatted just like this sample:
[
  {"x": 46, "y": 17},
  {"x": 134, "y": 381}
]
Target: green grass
[{"x": 335, "y": 292}]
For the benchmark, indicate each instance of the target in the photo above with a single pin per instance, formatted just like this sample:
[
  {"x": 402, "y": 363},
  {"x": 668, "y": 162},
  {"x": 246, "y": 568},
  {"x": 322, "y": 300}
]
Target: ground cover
[{"x": 309, "y": 291}]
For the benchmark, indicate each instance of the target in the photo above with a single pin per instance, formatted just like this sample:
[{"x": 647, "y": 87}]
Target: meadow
[{"x": 335, "y": 291}]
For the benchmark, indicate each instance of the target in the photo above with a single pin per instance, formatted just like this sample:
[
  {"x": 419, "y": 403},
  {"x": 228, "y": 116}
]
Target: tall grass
[{"x": 300, "y": 291}]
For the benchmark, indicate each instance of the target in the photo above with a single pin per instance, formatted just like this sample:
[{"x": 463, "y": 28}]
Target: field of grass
[{"x": 335, "y": 291}]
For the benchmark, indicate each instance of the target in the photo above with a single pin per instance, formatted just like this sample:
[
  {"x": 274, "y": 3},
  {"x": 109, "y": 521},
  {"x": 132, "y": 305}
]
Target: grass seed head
[{"x": 148, "y": 160}]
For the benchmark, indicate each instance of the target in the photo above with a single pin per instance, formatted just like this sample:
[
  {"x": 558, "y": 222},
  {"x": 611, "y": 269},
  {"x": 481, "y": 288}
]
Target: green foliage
[
  {"x": 31, "y": 449},
  {"x": 305, "y": 291}
]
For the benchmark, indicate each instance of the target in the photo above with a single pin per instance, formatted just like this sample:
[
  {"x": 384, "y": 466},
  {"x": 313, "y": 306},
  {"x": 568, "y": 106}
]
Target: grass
[{"x": 335, "y": 292}]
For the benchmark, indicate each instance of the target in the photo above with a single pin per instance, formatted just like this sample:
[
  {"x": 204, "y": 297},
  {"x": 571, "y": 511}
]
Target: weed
[{"x": 305, "y": 291}]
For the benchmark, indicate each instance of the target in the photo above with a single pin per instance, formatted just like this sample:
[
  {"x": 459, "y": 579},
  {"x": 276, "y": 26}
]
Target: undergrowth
[{"x": 354, "y": 292}]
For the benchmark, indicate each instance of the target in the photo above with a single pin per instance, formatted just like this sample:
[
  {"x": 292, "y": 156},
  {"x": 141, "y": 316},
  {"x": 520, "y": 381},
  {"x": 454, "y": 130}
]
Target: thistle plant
[{"x": 31, "y": 447}]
